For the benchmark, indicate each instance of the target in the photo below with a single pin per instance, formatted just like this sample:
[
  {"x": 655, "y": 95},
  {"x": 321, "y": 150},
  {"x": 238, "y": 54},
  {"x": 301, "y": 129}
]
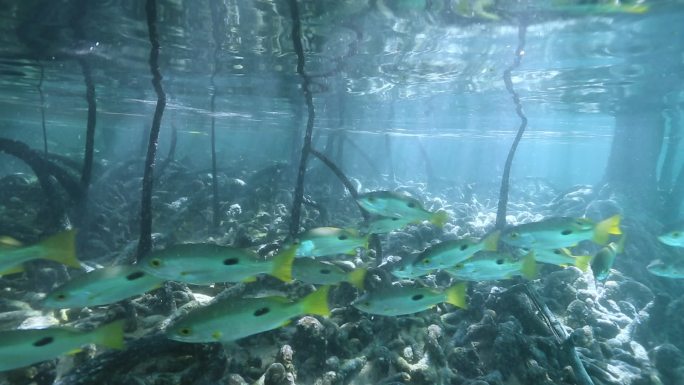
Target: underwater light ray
[{"x": 145, "y": 241}]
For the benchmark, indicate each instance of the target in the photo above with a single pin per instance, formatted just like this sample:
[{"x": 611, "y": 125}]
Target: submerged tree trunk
[{"x": 632, "y": 165}]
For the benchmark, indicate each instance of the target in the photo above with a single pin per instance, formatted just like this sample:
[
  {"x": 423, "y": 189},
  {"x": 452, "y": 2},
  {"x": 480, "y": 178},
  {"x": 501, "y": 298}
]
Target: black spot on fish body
[
  {"x": 43, "y": 341},
  {"x": 566, "y": 232},
  {"x": 61, "y": 296},
  {"x": 426, "y": 261},
  {"x": 411, "y": 204},
  {"x": 134, "y": 276},
  {"x": 500, "y": 261},
  {"x": 463, "y": 247},
  {"x": 417, "y": 297},
  {"x": 156, "y": 262},
  {"x": 185, "y": 332},
  {"x": 342, "y": 237},
  {"x": 325, "y": 271},
  {"x": 396, "y": 219},
  {"x": 231, "y": 261},
  {"x": 261, "y": 311},
  {"x": 557, "y": 251}
]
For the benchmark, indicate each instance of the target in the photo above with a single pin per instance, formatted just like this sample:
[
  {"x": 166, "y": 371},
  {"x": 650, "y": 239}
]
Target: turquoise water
[{"x": 409, "y": 97}]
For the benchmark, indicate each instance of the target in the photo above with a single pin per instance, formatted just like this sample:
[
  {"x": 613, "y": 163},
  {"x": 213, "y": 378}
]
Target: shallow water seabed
[{"x": 499, "y": 340}]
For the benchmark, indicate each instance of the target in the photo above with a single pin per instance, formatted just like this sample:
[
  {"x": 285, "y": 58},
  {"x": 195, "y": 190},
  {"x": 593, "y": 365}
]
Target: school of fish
[{"x": 311, "y": 258}]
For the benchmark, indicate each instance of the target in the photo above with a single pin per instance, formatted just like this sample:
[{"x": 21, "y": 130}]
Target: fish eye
[
  {"x": 417, "y": 297},
  {"x": 261, "y": 311},
  {"x": 463, "y": 247},
  {"x": 185, "y": 332},
  {"x": 43, "y": 341},
  {"x": 342, "y": 237},
  {"x": 500, "y": 261},
  {"x": 566, "y": 232},
  {"x": 156, "y": 262},
  {"x": 134, "y": 276},
  {"x": 230, "y": 261}
]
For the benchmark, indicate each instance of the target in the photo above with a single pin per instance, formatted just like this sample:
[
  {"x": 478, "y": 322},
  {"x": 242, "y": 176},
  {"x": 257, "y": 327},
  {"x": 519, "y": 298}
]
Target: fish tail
[
  {"x": 282, "y": 264},
  {"x": 529, "y": 266},
  {"x": 111, "y": 335},
  {"x": 456, "y": 295},
  {"x": 357, "y": 277},
  {"x": 317, "y": 302},
  {"x": 439, "y": 218},
  {"x": 605, "y": 228},
  {"x": 582, "y": 262},
  {"x": 61, "y": 248},
  {"x": 491, "y": 242}
]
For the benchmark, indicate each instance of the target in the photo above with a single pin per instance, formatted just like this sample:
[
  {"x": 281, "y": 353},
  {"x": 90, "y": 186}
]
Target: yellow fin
[
  {"x": 249, "y": 279},
  {"x": 357, "y": 277},
  {"x": 491, "y": 243},
  {"x": 74, "y": 351},
  {"x": 529, "y": 266},
  {"x": 439, "y": 218},
  {"x": 282, "y": 264},
  {"x": 13, "y": 270},
  {"x": 217, "y": 335},
  {"x": 317, "y": 302},
  {"x": 456, "y": 295},
  {"x": 111, "y": 335},
  {"x": 61, "y": 248},
  {"x": 605, "y": 228},
  {"x": 582, "y": 262},
  {"x": 6, "y": 241},
  {"x": 286, "y": 323},
  {"x": 635, "y": 8}
]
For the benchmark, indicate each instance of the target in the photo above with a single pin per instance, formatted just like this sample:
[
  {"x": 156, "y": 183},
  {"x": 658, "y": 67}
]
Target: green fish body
[
  {"x": 60, "y": 248},
  {"x": 206, "y": 263},
  {"x": 493, "y": 266},
  {"x": 562, "y": 257},
  {"x": 383, "y": 225},
  {"x": 673, "y": 238},
  {"x": 102, "y": 287},
  {"x": 232, "y": 319},
  {"x": 406, "y": 270},
  {"x": 666, "y": 270},
  {"x": 325, "y": 241},
  {"x": 604, "y": 259},
  {"x": 449, "y": 253},
  {"x": 559, "y": 232},
  {"x": 399, "y": 300},
  {"x": 19, "y": 348},
  {"x": 394, "y": 205},
  {"x": 322, "y": 273}
]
